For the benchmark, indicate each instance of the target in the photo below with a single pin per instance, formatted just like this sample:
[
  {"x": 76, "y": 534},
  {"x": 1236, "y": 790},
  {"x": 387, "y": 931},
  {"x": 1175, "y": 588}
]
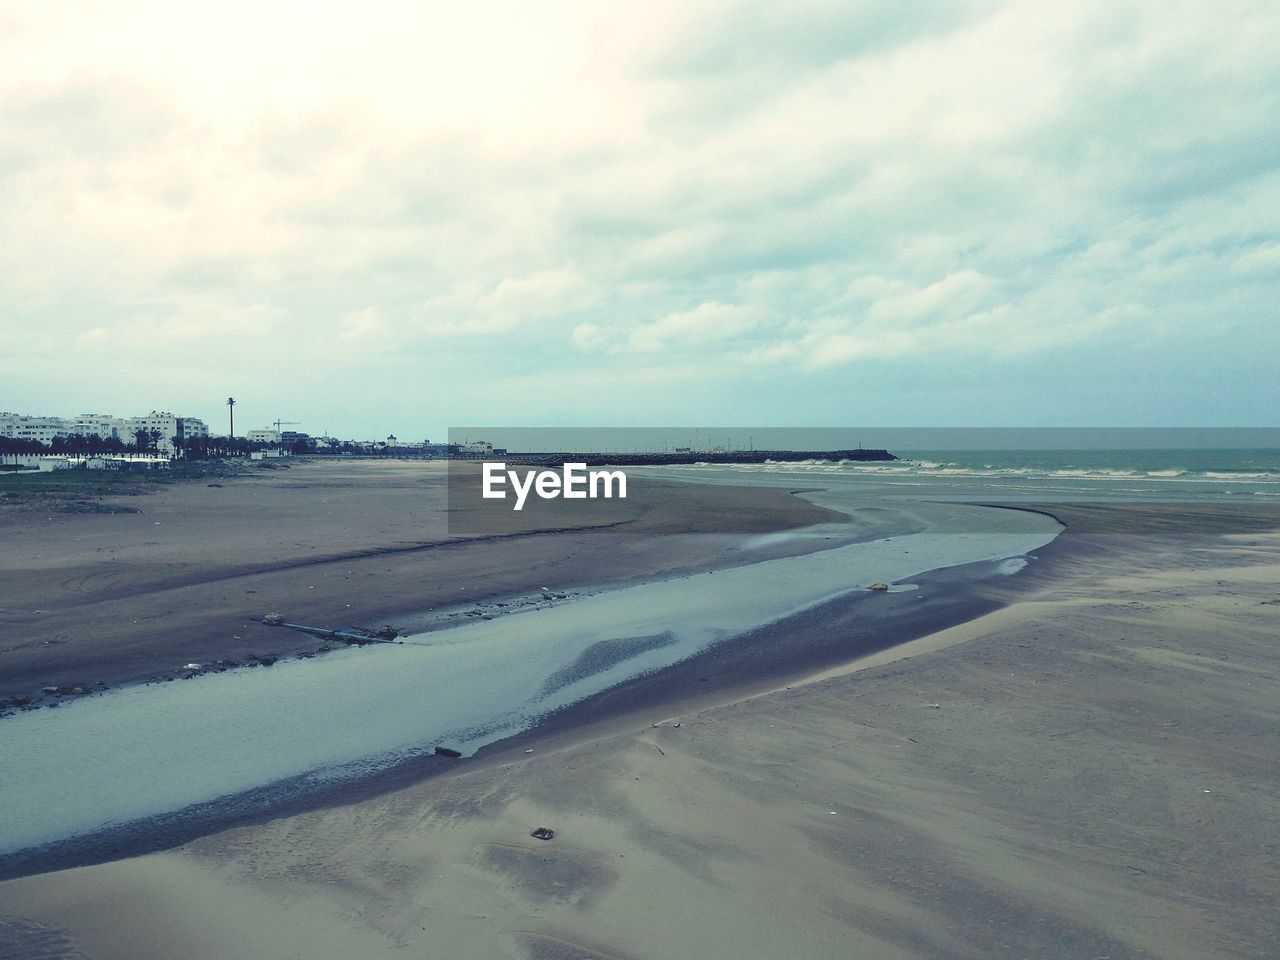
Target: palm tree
[{"x": 231, "y": 410}]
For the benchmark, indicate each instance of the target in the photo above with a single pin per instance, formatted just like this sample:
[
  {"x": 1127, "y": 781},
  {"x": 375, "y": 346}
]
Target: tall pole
[{"x": 231, "y": 409}]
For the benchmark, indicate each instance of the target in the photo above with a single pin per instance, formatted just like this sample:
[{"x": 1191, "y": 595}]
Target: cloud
[
  {"x": 709, "y": 323},
  {"x": 94, "y": 338},
  {"x": 512, "y": 302},
  {"x": 363, "y": 327},
  {"x": 1261, "y": 261},
  {"x": 588, "y": 336},
  {"x": 956, "y": 293},
  {"x": 722, "y": 195}
]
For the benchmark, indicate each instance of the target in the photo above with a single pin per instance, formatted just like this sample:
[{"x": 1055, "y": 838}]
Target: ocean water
[
  {"x": 138, "y": 752},
  {"x": 1132, "y": 474}
]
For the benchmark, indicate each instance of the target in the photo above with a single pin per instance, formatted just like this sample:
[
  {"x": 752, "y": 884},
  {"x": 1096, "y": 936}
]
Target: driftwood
[{"x": 355, "y": 636}]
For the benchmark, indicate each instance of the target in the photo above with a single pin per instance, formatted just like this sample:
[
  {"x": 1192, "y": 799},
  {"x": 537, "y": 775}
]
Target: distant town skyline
[
  {"x": 42, "y": 426},
  {"x": 392, "y": 217}
]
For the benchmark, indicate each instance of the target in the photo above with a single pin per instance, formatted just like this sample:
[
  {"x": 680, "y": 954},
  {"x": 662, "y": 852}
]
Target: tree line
[
  {"x": 144, "y": 441},
  {"x": 188, "y": 448}
]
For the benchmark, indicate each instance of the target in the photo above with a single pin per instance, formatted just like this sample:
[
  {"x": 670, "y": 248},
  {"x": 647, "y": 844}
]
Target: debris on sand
[
  {"x": 447, "y": 752},
  {"x": 352, "y": 636},
  {"x": 542, "y": 833},
  {"x": 879, "y": 587}
]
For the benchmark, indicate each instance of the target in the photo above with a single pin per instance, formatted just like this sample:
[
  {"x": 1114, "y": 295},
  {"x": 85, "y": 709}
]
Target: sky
[{"x": 395, "y": 217}]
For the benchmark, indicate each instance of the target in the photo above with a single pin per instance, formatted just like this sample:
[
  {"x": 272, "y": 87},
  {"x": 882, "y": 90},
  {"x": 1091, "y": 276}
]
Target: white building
[
  {"x": 192, "y": 428},
  {"x": 46, "y": 429},
  {"x": 41, "y": 429},
  {"x": 169, "y": 428},
  {"x": 103, "y": 425},
  {"x": 266, "y": 435}
]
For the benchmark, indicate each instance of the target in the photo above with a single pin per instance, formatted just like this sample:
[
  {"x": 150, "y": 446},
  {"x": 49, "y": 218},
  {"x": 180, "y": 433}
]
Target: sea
[{"x": 1074, "y": 475}]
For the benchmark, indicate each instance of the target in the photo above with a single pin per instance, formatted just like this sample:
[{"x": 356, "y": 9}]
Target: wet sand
[
  {"x": 256, "y": 728},
  {"x": 1085, "y": 772},
  {"x": 832, "y": 633},
  {"x": 107, "y": 599}
]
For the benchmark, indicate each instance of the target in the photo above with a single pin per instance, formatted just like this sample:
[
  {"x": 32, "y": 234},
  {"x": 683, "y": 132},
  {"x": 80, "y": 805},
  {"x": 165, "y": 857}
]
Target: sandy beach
[
  {"x": 1075, "y": 762},
  {"x": 102, "y": 599},
  {"x": 666, "y": 481}
]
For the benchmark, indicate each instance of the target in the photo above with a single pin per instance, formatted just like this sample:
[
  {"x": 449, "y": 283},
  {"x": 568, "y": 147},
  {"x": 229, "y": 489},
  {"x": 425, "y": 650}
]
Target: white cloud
[
  {"x": 512, "y": 302},
  {"x": 708, "y": 326},
  {"x": 956, "y": 293},
  {"x": 710, "y": 323},
  {"x": 588, "y": 336},
  {"x": 363, "y": 328},
  {"x": 828, "y": 186},
  {"x": 1261, "y": 261}
]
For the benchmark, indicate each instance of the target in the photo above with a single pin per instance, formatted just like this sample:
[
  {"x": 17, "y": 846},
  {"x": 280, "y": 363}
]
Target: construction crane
[{"x": 280, "y": 436}]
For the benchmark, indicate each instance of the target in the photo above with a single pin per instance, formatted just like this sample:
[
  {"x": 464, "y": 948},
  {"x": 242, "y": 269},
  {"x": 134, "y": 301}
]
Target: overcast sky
[{"x": 384, "y": 216}]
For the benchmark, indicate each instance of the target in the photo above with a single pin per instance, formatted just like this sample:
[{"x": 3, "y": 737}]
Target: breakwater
[{"x": 675, "y": 458}]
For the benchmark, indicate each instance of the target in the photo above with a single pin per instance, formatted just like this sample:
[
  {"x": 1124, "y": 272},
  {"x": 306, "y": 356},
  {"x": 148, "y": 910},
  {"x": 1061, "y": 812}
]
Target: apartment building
[
  {"x": 169, "y": 427},
  {"x": 44, "y": 429}
]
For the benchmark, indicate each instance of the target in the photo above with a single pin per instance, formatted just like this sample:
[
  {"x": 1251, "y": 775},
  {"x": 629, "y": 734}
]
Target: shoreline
[
  {"x": 673, "y": 459},
  {"x": 104, "y": 600},
  {"x": 745, "y": 664},
  {"x": 830, "y": 638},
  {"x": 1059, "y": 776}
]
